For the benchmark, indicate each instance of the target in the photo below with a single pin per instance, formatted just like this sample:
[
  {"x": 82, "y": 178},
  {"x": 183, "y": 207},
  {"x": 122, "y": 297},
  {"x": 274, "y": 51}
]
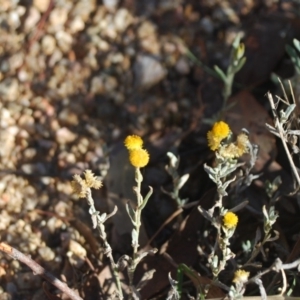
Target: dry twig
[
  {"x": 281, "y": 133},
  {"x": 39, "y": 270}
]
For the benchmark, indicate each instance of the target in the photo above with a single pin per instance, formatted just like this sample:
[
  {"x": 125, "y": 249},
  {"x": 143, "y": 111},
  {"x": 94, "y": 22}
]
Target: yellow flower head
[
  {"x": 219, "y": 132},
  {"x": 240, "y": 276},
  {"x": 213, "y": 141},
  {"x": 230, "y": 220},
  {"x": 139, "y": 158},
  {"x": 220, "y": 129},
  {"x": 133, "y": 142}
]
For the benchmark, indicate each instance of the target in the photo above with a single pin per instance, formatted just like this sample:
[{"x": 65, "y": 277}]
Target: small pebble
[
  {"x": 148, "y": 71},
  {"x": 48, "y": 44},
  {"x": 41, "y": 5}
]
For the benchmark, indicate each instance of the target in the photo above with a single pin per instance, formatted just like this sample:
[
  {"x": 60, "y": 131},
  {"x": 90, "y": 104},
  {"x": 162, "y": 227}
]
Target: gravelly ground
[{"x": 75, "y": 78}]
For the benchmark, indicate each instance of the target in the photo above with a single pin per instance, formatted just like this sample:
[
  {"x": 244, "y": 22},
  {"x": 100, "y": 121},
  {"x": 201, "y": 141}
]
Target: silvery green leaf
[
  {"x": 249, "y": 179},
  {"x": 112, "y": 213},
  {"x": 145, "y": 253},
  {"x": 173, "y": 293},
  {"x": 174, "y": 161},
  {"x": 273, "y": 215},
  {"x": 239, "y": 65},
  {"x": 209, "y": 170},
  {"x": 147, "y": 276},
  {"x": 264, "y": 210},
  {"x": 222, "y": 192},
  {"x": 294, "y": 55},
  {"x": 227, "y": 170},
  {"x": 284, "y": 115},
  {"x": 296, "y": 44},
  {"x": 184, "y": 201},
  {"x": 102, "y": 217},
  {"x": 233, "y": 167},
  {"x": 135, "y": 294},
  {"x": 205, "y": 214},
  {"x": 147, "y": 197},
  {"x": 276, "y": 183},
  {"x": 253, "y": 154},
  {"x": 290, "y": 109},
  {"x": 183, "y": 179},
  {"x": 123, "y": 262},
  {"x": 272, "y": 129},
  {"x": 94, "y": 220},
  {"x": 213, "y": 178},
  {"x": 92, "y": 211},
  {"x": 262, "y": 290},
  {"x": 220, "y": 73},
  {"x": 130, "y": 213},
  {"x": 226, "y": 183},
  {"x": 246, "y": 246},
  {"x": 215, "y": 262}
]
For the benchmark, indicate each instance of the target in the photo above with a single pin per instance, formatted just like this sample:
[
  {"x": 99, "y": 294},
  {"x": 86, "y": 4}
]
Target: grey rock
[{"x": 148, "y": 71}]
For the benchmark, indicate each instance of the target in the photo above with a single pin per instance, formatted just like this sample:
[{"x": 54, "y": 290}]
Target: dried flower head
[
  {"x": 230, "y": 220},
  {"x": 237, "y": 149},
  {"x": 240, "y": 276},
  {"x": 133, "y": 142},
  {"x": 80, "y": 186},
  {"x": 139, "y": 158},
  {"x": 229, "y": 151},
  {"x": 219, "y": 131},
  {"x": 242, "y": 142},
  {"x": 91, "y": 180}
]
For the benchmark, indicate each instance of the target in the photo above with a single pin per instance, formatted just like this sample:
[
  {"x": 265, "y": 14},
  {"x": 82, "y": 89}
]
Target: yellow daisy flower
[
  {"x": 230, "y": 220},
  {"x": 139, "y": 158},
  {"x": 133, "y": 142}
]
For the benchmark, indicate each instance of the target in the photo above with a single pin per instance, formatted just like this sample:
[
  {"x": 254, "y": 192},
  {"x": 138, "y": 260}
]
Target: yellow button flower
[
  {"x": 219, "y": 132},
  {"x": 133, "y": 142},
  {"x": 139, "y": 158},
  {"x": 230, "y": 220}
]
